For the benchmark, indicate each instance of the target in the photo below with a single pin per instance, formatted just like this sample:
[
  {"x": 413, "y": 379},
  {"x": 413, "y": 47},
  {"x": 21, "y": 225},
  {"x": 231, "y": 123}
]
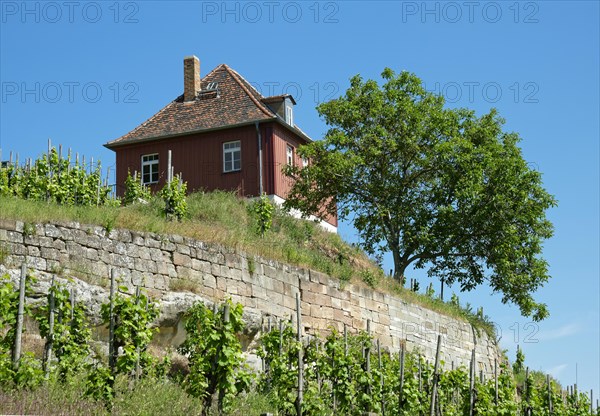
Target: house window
[
  {"x": 304, "y": 162},
  {"x": 290, "y": 155},
  {"x": 289, "y": 115},
  {"x": 232, "y": 156},
  {"x": 149, "y": 169}
]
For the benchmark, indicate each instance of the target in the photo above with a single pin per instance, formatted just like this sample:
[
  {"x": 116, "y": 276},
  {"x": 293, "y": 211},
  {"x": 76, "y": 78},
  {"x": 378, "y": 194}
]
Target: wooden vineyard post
[
  {"x": 401, "y": 376},
  {"x": 345, "y": 340},
  {"x": 367, "y": 355},
  {"x": 280, "y": 337},
  {"x": 50, "y": 339},
  {"x": 550, "y": 410},
  {"x": 472, "y": 384},
  {"x": 137, "y": 348},
  {"x": 300, "y": 350},
  {"x": 496, "y": 381},
  {"x": 221, "y": 399},
  {"x": 380, "y": 366},
  {"x": 20, "y": 312},
  {"x": 111, "y": 326},
  {"x": 435, "y": 376},
  {"x": 527, "y": 393}
]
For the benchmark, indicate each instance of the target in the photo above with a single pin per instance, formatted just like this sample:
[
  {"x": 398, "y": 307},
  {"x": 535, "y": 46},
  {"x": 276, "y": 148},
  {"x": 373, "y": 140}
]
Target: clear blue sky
[{"x": 83, "y": 73}]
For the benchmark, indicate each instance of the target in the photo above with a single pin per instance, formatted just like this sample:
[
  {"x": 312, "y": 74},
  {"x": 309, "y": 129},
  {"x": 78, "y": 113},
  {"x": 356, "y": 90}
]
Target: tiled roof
[{"x": 236, "y": 102}]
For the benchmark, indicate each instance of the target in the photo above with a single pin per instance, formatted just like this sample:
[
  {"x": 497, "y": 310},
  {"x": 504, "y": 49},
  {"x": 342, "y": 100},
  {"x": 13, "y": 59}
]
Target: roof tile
[{"x": 236, "y": 102}]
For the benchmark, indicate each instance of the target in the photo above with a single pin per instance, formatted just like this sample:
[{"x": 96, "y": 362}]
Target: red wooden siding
[
  {"x": 282, "y": 184},
  {"x": 281, "y": 138},
  {"x": 199, "y": 157}
]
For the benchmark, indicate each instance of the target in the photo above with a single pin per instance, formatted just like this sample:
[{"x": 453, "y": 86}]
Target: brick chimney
[{"x": 191, "y": 78}]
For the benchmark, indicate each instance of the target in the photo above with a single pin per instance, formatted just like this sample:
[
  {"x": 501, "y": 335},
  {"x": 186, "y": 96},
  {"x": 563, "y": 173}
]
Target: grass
[
  {"x": 222, "y": 218},
  {"x": 148, "y": 397},
  {"x": 216, "y": 217}
]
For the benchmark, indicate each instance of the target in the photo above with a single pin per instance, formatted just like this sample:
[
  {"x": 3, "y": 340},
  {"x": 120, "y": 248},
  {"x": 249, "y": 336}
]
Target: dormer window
[
  {"x": 289, "y": 114},
  {"x": 283, "y": 106}
]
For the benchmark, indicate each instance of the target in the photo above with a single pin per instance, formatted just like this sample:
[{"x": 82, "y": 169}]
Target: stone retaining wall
[{"x": 164, "y": 264}]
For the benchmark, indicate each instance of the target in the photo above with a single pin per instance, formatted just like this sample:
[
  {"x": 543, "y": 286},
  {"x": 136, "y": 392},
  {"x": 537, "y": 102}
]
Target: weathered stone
[
  {"x": 91, "y": 254},
  {"x": 49, "y": 253},
  {"x": 181, "y": 260},
  {"x": 152, "y": 243},
  {"x": 183, "y": 249},
  {"x": 209, "y": 280},
  {"x": 33, "y": 251},
  {"x": 261, "y": 285},
  {"x": 36, "y": 263},
  {"x": 203, "y": 266},
  {"x": 167, "y": 246},
  {"x": 51, "y": 231},
  {"x": 11, "y": 225}
]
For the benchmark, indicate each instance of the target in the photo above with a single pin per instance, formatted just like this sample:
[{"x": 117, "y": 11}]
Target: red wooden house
[{"x": 222, "y": 134}]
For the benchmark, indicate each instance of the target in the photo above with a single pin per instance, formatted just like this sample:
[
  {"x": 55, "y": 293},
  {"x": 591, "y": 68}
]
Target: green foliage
[
  {"x": 340, "y": 379},
  {"x": 430, "y": 291},
  {"x": 55, "y": 179},
  {"x": 133, "y": 329},
  {"x": 438, "y": 188},
  {"x": 71, "y": 333},
  {"x": 519, "y": 361},
  {"x": 99, "y": 384},
  {"x": 217, "y": 367},
  {"x": 28, "y": 373},
  {"x": 134, "y": 190},
  {"x": 173, "y": 194},
  {"x": 263, "y": 210},
  {"x": 280, "y": 352},
  {"x": 369, "y": 278}
]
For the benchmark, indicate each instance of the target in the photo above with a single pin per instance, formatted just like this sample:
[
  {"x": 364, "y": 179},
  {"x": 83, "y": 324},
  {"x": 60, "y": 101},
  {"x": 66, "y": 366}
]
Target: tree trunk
[{"x": 399, "y": 265}]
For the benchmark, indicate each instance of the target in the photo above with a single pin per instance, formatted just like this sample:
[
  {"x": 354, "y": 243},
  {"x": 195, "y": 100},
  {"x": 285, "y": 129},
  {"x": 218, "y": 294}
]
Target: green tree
[{"x": 439, "y": 188}]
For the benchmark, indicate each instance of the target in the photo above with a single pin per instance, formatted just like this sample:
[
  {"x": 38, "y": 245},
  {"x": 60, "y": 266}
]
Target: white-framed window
[
  {"x": 232, "y": 156},
  {"x": 289, "y": 115},
  {"x": 304, "y": 162},
  {"x": 149, "y": 169},
  {"x": 289, "y": 155}
]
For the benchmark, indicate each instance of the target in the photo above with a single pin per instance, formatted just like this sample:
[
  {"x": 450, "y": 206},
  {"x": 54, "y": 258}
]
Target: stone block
[
  {"x": 59, "y": 245},
  {"x": 182, "y": 260},
  {"x": 183, "y": 249},
  {"x": 323, "y": 300},
  {"x": 259, "y": 292},
  {"x": 235, "y": 274},
  {"x": 203, "y": 266},
  {"x": 138, "y": 239},
  {"x": 11, "y": 225},
  {"x": 208, "y": 280},
  {"x": 17, "y": 249},
  {"x": 91, "y": 254},
  {"x": 309, "y": 297},
  {"x": 50, "y": 253},
  {"x": 50, "y": 230},
  {"x": 239, "y": 288},
  {"x": 221, "y": 284},
  {"x": 152, "y": 243},
  {"x": 233, "y": 261}
]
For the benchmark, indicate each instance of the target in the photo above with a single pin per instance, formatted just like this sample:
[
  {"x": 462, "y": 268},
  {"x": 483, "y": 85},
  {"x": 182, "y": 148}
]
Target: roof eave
[{"x": 112, "y": 145}]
